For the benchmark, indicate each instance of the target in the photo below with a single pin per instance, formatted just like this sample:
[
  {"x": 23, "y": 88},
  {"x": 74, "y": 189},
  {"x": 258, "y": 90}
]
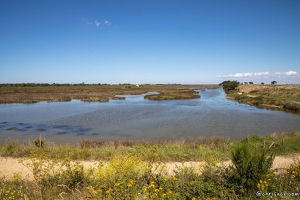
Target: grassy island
[{"x": 173, "y": 95}]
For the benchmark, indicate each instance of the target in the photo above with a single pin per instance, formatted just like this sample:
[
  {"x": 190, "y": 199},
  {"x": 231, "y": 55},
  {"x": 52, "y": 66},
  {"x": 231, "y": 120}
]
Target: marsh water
[{"x": 139, "y": 119}]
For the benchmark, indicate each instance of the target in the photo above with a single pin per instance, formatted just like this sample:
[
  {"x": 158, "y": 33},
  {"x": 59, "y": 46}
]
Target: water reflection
[{"x": 138, "y": 118}]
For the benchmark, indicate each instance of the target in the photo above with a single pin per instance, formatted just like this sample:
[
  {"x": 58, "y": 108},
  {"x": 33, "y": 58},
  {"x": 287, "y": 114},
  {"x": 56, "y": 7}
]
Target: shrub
[
  {"x": 294, "y": 171},
  {"x": 249, "y": 167},
  {"x": 292, "y": 106},
  {"x": 9, "y": 148},
  {"x": 52, "y": 177},
  {"x": 39, "y": 142},
  {"x": 121, "y": 178},
  {"x": 121, "y": 168}
]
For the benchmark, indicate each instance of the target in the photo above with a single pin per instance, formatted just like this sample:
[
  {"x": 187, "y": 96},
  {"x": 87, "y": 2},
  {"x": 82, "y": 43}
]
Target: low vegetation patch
[{"x": 128, "y": 174}]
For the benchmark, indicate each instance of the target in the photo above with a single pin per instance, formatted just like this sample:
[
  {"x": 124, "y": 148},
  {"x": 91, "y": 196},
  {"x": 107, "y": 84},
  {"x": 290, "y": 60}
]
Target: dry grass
[{"x": 272, "y": 96}]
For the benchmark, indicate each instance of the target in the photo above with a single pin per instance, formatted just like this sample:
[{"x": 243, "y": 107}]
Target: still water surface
[{"x": 137, "y": 118}]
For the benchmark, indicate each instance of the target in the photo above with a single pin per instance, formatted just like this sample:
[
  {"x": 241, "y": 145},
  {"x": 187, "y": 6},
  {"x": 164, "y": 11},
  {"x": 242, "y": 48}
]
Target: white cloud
[
  {"x": 262, "y": 74},
  {"x": 107, "y": 23},
  {"x": 259, "y": 74},
  {"x": 247, "y": 74},
  {"x": 290, "y": 73},
  {"x": 97, "y": 23}
]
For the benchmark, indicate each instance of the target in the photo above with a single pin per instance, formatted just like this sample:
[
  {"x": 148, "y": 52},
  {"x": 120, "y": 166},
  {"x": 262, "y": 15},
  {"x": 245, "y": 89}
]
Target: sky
[{"x": 149, "y": 41}]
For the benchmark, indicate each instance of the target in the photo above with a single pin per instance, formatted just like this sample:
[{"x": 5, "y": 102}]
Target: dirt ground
[{"x": 11, "y": 166}]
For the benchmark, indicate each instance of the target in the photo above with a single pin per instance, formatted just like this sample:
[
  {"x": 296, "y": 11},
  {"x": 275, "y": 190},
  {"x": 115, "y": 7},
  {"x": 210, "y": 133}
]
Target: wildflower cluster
[
  {"x": 262, "y": 185},
  {"x": 294, "y": 171},
  {"x": 9, "y": 192},
  {"x": 154, "y": 191}
]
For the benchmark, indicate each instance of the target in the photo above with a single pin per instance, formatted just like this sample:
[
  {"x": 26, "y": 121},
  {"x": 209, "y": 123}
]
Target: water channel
[{"x": 139, "y": 119}]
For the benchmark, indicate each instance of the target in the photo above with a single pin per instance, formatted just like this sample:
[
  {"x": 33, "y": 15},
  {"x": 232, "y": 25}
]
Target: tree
[
  {"x": 274, "y": 82},
  {"x": 262, "y": 83},
  {"x": 230, "y": 85}
]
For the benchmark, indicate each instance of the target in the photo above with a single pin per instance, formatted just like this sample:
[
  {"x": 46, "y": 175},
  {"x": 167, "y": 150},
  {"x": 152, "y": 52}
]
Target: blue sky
[{"x": 157, "y": 41}]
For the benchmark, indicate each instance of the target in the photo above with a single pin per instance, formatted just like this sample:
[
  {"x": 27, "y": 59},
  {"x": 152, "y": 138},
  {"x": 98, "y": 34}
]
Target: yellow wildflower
[
  {"x": 118, "y": 184},
  {"x": 109, "y": 191},
  {"x": 152, "y": 185},
  {"x": 145, "y": 190}
]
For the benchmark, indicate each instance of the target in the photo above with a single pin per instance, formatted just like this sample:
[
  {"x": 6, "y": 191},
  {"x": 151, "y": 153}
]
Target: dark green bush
[
  {"x": 39, "y": 142},
  {"x": 292, "y": 106},
  {"x": 249, "y": 167},
  {"x": 229, "y": 85}
]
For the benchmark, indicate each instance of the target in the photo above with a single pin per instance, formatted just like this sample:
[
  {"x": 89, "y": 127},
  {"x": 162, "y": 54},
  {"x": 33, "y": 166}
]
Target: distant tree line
[
  {"x": 246, "y": 83},
  {"x": 47, "y": 84}
]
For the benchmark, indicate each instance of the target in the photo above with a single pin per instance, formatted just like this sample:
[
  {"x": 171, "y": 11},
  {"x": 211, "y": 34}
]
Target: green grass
[
  {"x": 201, "y": 149},
  {"x": 104, "y": 150}
]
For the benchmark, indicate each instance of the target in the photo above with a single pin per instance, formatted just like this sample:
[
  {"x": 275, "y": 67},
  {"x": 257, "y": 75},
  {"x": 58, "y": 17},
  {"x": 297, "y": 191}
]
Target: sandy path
[{"x": 10, "y": 166}]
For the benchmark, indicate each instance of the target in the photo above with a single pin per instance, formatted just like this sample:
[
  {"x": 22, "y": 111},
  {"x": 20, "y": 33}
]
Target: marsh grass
[
  {"x": 191, "y": 149},
  {"x": 34, "y": 93},
  {"x": 173, "y": 95}
]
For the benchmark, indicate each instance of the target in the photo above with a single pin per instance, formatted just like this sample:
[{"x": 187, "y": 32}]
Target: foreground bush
[{"x": 249, "y": 167}]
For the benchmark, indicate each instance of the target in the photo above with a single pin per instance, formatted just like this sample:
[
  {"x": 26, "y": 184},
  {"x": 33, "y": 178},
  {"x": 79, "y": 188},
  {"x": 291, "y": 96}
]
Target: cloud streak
[
  {"x": 107, "y": 23},
  {"x": 97, "y": 23},
  {"x": 260, "y": 75}
]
